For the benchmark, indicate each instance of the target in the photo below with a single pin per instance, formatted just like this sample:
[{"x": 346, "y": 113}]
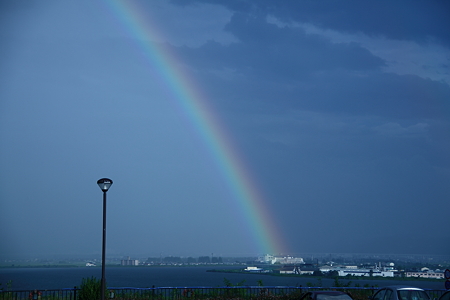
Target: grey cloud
[
  {"x": 265, "y": 49},
  {"x": 318, "y": 77},
  {"x": 418, "y": 20},
  {"x": 381, "y": 94},
  {"x": 395, "y": 129},
  {"x": 310, "y": 72},
  {"x": 415, "y": 20}
]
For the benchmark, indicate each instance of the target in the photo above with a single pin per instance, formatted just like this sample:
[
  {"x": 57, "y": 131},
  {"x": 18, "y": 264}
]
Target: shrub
[{"x": 90, "y": 289}]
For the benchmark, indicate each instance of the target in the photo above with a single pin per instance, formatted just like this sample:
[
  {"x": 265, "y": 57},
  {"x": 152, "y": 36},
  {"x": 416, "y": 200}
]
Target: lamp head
[{"x": 104, "y": 184}]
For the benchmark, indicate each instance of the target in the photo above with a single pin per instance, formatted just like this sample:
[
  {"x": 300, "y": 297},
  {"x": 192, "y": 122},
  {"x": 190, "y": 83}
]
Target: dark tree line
[{"x": 188, "y": 260}]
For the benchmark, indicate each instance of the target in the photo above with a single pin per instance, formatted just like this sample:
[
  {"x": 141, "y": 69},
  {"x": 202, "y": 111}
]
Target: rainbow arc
[{"x": 192, "y": 101}]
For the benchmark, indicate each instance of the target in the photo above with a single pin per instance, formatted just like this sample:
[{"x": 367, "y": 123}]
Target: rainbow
[{"x": 189, "y": 96}]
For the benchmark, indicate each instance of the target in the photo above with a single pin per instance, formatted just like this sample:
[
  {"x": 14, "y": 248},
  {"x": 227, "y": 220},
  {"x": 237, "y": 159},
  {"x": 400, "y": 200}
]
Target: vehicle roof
[
  {"x": 329, "y": 292},
  {"x": 403, "y": 287},
  {"x": 444, "y": 294}
]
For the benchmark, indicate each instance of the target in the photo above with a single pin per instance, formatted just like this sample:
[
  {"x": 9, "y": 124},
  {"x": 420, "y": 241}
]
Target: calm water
[{"x": 57, "y": 278}]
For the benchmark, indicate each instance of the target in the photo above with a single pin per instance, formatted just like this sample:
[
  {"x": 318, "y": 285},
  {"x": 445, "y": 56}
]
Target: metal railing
[
  {"x": 66, "y": 294},
  {"x": 185, "y": 293}
]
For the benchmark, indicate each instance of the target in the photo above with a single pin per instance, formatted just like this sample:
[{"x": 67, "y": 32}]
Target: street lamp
[{"x": 104, "y": 185}]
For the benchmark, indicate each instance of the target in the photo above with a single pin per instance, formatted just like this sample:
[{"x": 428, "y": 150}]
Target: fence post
[{"x": 74, "y": 293}]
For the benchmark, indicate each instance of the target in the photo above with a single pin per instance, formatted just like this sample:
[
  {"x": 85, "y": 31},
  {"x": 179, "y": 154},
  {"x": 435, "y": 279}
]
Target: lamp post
[{"x": 104, "y": 185}]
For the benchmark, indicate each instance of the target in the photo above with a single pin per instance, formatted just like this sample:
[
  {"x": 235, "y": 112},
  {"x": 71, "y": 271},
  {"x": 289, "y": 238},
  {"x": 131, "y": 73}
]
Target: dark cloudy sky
[{"x": 340, "y": 111}]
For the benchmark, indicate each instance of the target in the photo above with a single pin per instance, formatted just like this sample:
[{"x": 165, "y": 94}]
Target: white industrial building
[
  {"x": 270, "y": 259},
  {"x": 355, "y": 271},
  {"x": 365, "y": 272},
  {"x": 426, "y": 273},
  {"x": 129, "y": 262}
]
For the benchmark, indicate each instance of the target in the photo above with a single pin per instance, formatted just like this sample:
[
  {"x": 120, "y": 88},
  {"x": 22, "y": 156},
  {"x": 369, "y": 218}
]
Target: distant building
[
  {"x": 129, "y": 262},
  {"x": 266, "y": 258},
  {"x": 365, "y": 272},
  {"x": 426, "y": 274},
  {"x": 269, "y": 259},
  {"x": 355, "y": 271},
  {"x": 89, "y": 264},
  {"x": 300, "y": 270},
  {"x": 307, "y": 269},
  {"x": 253, "y": 269},
  {"x": 326, "y": 268},
  {"x": 288, "y": 270}
]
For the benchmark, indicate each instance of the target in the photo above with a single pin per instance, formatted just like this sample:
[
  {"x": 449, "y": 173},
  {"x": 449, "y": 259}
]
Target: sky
[{"x": 229, "y": 127}]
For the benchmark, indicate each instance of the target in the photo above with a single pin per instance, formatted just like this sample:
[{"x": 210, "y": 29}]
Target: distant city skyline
[{"x": 307, "y": 257}]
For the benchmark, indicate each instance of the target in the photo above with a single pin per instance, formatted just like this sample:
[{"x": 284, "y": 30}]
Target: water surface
[{"x": 142, "y": 277}]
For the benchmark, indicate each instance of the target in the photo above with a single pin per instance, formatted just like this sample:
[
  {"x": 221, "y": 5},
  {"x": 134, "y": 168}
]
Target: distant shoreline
[
  {"x": 107, "y": 265},
  {"x": 55, "y": 277},
  {"x": 350, "y": 278},
  {"x": 233, "y": 271}
]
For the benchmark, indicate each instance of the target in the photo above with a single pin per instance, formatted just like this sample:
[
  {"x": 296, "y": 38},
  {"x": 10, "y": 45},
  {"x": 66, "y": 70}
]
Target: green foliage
[
  {"x": 138, "y": 295},
  {"x": 234, "y": 293},
  {"x": 90, "y": 289},
  {"x": 360, "y": 294},
  {"x": 7, "y": 294},
  {"x": 338, "y": 283},
  {"x": 228, "y": 283},
  {"x": 317, "y": 273},
  {"x": 332, "y": 274},
  {"x": 357, "y": 294},
  {"x": 8, "y": 286},
  {"x": 319, "y": 283}
]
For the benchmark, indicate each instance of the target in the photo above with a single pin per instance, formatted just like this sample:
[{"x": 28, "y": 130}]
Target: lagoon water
[{"x": 142, "y": 277}]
